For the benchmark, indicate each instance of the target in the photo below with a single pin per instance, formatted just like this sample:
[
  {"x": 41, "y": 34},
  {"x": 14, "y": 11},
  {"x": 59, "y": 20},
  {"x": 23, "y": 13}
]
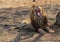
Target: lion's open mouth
[{"x": 38, "y": 12}]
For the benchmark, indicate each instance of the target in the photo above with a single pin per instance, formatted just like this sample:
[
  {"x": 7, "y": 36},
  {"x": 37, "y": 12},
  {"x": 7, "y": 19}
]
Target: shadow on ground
[
  {"x": 27, "y": 34},
  {"x": 11, "y": 17}
]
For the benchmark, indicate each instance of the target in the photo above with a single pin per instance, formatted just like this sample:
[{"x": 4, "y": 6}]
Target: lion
[{"x": 38, "y": 18}]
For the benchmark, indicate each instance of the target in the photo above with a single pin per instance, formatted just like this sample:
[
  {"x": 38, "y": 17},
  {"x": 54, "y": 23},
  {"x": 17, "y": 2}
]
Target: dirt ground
[{"x": 14, "y": 17}]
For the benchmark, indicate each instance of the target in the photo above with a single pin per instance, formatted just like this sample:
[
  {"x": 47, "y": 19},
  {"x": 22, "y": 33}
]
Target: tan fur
[{"x": 34, "y": 19}]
